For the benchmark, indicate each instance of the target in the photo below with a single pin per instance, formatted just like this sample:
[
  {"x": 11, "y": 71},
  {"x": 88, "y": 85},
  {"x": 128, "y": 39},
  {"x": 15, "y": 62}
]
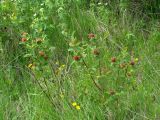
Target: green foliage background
[{"x": 125, "y": 29}]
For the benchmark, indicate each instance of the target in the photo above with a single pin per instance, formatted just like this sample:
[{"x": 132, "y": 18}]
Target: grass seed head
[
  {"x": 38, "y": 40},
  {"x": 122, "y": 65},
  {"x": 24, "y": 34},
  {"x": 91, "y": 35},
  {"x": 112, "y": 92}
]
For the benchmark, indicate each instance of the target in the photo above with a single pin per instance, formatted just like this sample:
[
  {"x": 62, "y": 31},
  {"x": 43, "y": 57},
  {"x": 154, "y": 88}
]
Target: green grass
[{"x": 103, "y": 89}]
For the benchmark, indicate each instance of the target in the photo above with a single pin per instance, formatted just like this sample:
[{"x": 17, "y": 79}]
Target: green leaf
[
  {"x": 27, "y": 55},
  {"x": 74, "y": 42}
]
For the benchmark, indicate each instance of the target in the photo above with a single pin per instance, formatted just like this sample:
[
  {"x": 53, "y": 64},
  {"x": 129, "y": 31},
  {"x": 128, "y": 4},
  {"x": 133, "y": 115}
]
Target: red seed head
[
  {"x": 91, "y": 35},
  {"x": 113, "y": 59},
  {"x": 132, "y": 63},
  {"x": 46, "y": 57},
  {"x": 23, "y": 40},
  {"x": 41, "y": 53},
  {"x": 76, "y": 58},
  {"x": 96, "y": 52}
]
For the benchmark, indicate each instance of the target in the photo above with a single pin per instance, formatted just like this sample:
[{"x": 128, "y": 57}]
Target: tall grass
[{"x": 115, "y": 78}]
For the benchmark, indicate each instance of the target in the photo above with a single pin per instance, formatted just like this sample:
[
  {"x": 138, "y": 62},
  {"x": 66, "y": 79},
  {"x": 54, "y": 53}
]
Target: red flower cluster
[
  {"x": 41, "y": 53},
  {"x": 76, "y": 58},
  {"x": 23, "y": 40},
  {"x": 91, "y": 35}
]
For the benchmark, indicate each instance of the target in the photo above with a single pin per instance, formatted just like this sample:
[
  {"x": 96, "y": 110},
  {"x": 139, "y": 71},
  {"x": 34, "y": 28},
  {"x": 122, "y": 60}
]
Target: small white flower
[
  {"x": 99, "y": 3},
  {"x": 106, "y": 4}
]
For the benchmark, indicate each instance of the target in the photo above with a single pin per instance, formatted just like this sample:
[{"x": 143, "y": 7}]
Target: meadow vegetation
[{"x": 79, "y": 60}]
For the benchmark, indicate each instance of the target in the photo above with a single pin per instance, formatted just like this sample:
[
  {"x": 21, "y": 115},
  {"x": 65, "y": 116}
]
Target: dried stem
[{"x": 97, "y": 86}]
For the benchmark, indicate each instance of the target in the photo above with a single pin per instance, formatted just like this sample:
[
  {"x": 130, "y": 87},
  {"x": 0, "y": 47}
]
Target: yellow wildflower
[
  {"x": 30, "y": 65},
  {"x": 57, "y": 63},
  {"x": 78, "y": 107},
  {"x": 74, "y": 104},
  {"x": 136, "y": 59},
  {"x": 63, "y": 66}
]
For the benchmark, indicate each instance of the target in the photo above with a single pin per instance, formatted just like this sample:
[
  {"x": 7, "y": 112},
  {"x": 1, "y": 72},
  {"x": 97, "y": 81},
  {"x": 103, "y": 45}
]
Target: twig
[{"x": 98, "y": 87}]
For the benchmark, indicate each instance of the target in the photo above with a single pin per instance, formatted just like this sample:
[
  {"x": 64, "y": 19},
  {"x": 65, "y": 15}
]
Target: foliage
[{"x": 79, "y": 59}]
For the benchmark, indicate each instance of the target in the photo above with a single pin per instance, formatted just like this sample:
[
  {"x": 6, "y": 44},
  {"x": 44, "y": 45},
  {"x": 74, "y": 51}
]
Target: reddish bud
[
  {"x": 23, "y": 40},
  {"x": 113, "y": 59},
  {"x": 76, "y": 58},
  {"x": 96, "y": 52},
  {"x": 41, "y": 53},
  {"x": 132, "y": 63}
]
